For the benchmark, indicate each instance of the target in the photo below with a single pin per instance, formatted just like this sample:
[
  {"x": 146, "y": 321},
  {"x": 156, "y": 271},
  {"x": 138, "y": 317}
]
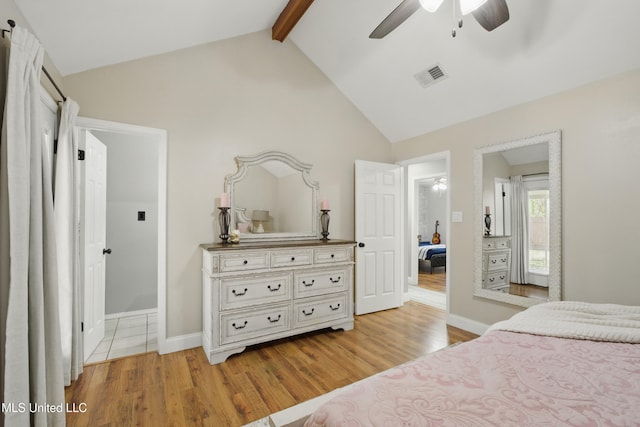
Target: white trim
[
  {"x": 161, "y": 136},
  {"x": 181, "y": 342},
  {"x": 466, "y": 324},
  {"x": 131, "y": 313}
]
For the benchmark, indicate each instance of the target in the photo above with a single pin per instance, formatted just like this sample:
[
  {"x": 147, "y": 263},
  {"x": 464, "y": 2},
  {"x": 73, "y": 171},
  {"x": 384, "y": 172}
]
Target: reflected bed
[{"x": 559, "y": 363}]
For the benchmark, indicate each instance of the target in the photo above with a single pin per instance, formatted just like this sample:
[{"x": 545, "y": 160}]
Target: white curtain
[
  {"x": 30, "y": 347},
  {"x": 519, "y": 232},
  {"x": 67, "y": 250}
]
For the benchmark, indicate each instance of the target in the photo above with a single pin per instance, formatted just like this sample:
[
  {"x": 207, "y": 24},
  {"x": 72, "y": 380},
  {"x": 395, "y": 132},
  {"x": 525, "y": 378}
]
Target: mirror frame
[
  {"x": 243, "y": 163},
  {"x": 555, "y": 219}
]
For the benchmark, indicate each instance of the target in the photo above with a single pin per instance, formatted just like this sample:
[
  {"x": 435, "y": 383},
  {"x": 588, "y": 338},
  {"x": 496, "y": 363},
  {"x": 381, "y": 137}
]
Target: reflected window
[{"x": 538, "y": 202}]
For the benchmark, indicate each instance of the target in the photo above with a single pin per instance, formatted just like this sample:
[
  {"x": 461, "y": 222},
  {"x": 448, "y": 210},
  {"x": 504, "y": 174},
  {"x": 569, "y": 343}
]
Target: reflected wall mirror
[
  {"x": 273, "y": 197},
  {"x": 518, "y": 213}
]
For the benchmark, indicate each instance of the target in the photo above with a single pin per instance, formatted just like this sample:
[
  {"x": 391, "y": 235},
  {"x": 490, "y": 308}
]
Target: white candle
[
  {"x": 324, "y": 205},
  {"x": 224, "y": 200},
  {"x": 487, "y": 210}
]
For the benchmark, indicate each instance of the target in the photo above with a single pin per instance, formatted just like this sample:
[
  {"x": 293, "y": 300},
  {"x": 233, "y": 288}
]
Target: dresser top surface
[{"x": 274, "y": 245}]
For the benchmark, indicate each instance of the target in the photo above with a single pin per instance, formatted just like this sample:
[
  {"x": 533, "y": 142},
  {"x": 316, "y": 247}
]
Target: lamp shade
[
  {"x": 430, "y": 5},
  {"x": 260, "y": 215}
]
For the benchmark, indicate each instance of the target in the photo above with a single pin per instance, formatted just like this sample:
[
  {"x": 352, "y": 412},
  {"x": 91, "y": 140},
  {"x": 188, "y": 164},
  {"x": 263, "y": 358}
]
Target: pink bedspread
[{"x": 499, "y": 379}]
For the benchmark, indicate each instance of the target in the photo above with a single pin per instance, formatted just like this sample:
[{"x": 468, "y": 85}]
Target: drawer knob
[
  {"x": 334, "y": 308},
  {"x": 492, "y": 279},
  {"x": 274, "y": 289},
  {"x": 274, "y": 320},
  {"x": 240, "y": 326},
  {"x": 239, "y": 294},
  {"x": 493, "y": 261},
  {"x": 333, "y": 256},
  {"x": 293, "y": 258},
  {"x": 304, "y": 282},
  {"x": 309, "y": 313},
  {"x": 336, "y": 280}
]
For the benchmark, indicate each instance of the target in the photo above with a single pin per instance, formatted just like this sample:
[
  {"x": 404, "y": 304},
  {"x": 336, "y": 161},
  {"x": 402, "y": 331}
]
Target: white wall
[
  {"x": 235, "y": 97},
  {"x": 600, "y": 126},
  {"x": 132, "y": 267}
]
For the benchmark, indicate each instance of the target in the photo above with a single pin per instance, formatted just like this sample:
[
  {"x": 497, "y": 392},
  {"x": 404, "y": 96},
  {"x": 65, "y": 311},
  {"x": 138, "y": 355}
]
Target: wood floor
[
  {"x": 436, "y": 281},
  {"x": 181, "y": 388}
]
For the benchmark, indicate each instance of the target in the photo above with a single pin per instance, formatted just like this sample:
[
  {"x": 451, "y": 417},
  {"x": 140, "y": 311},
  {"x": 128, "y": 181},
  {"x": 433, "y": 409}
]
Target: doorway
[
  {"x": 428, "y": 213},
  {"x": 136, "y": 229}
]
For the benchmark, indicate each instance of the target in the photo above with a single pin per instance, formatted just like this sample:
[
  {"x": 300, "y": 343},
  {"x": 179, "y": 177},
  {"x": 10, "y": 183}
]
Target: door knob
[
  {"x": 361, "y": 245},
  {"x": 106, "y": 251}
]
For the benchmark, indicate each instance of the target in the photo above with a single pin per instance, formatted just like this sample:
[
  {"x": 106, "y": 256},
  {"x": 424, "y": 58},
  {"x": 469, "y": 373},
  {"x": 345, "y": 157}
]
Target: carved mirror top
[
  {"x": 552, "y": 142},
  {"x": 273, "y": 197}
]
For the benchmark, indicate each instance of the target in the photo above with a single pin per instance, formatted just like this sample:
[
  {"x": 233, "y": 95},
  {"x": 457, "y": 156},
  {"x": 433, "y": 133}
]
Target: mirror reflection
[
  {"x": 272, "y": 197},
  {"x": 520, "y": 237}
]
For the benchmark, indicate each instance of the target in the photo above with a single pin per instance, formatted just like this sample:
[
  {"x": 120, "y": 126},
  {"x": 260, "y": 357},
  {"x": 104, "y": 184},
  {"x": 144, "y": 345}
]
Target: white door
[
  {"x": 378, "y": 210},
  {"x": 94, "y": 239}
]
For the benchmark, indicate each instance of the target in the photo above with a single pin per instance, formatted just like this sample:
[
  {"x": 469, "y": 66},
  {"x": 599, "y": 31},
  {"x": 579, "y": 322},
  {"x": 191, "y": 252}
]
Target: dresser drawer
[
  {"x": 496, "y": 243},
  {"x": 318, "y": 310},
  {"x": 497, "y": 261},
  {"x": 319, "y": 282},
  {"x": 325, "y": 256},
  {"x": 496, "y": 280},
  {"x": 238, "y": 292},
  {"x": 239, "y": 326},
  {"x": 291, "y": 258},
  {"x": 244, "y": 261}
]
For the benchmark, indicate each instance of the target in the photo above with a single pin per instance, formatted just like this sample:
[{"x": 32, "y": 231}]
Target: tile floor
[{"x": 126, "y": 336}]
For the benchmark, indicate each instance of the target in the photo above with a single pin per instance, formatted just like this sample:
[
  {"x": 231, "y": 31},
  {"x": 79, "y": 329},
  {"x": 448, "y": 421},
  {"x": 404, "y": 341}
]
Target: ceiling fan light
[
  {"x": 468, "y": 6},
  {"x": 431, "y": 5}
]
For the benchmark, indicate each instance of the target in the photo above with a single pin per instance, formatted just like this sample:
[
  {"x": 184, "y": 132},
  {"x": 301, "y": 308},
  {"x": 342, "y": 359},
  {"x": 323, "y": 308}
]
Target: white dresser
[
  {"x": 496, "y": 262},
  {"x": 258, "y": 292}
]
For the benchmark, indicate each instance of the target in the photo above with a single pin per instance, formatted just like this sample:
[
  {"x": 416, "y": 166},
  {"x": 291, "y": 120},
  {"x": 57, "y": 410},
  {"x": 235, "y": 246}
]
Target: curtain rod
[{"x": 12, "y": 24}]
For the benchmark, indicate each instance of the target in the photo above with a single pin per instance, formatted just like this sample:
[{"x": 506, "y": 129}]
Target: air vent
[{"x": 430, "y": 75}]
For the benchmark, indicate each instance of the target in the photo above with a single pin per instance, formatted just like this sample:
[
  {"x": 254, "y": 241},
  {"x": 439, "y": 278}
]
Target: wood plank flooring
[
  {"x": 181, "y": 388},
  {"x": 436, "y": 281}
]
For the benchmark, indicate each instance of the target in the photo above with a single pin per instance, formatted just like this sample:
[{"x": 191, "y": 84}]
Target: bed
[
  {"x": 558, "y": 363},
  {"x": 431, "y": 256}
]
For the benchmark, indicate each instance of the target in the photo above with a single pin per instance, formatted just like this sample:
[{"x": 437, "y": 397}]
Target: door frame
[
  {"x": 160, "y": 136},
  {"x": 410, "y": 248}
]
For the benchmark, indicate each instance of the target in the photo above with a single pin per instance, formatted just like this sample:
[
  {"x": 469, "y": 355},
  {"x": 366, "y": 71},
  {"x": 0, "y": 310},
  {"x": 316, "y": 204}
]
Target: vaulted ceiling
[{"x": 546, "y": 47}]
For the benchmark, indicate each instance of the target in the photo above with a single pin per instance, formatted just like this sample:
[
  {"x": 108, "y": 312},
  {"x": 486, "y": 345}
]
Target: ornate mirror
[
  {"x": 518, "y": 214},
  {"x": 273, "y": 197}
]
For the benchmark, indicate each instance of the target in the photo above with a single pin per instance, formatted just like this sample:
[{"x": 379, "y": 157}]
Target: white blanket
[{"x": 577, "y": 320}]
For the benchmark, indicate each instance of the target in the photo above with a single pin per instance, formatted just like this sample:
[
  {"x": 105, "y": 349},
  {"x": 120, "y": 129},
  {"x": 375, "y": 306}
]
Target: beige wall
[
  {"x": 239, "y": 96},
  {"x": 9, "y": 10},
  {"x": 600, "y": 126}
]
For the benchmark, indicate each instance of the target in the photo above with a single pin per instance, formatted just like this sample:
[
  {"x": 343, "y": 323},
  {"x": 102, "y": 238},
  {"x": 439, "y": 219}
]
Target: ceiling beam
[{"x": 288, "y": 19}]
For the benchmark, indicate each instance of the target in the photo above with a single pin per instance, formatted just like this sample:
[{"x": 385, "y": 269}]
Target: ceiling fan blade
[
  {"x": 492, "y": 14},
  {"x": 395, "y": 18}
]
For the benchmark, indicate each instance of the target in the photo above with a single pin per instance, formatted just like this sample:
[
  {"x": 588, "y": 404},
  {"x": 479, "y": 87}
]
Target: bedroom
[{"x": 283, "y": 98}]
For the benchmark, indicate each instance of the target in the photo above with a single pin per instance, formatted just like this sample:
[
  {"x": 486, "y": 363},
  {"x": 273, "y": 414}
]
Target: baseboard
[
  {"x": 466, "y": 324},
  {"x": 181, "y": 342},
  {"x": 131, "y": 313}
]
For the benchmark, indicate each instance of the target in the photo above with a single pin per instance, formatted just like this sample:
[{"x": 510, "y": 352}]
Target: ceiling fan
[{"x": 490, "y": 14}]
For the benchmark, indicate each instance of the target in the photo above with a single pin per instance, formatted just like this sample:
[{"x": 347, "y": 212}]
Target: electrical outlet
[{"x": 141, "y": 215}]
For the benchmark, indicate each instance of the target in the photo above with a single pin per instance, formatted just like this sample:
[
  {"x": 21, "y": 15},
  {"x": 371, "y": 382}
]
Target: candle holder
[
  {"x": 324, "y": 222},
  {"x": 224, "y": 219},
  {"x": 487, "y": 224}
]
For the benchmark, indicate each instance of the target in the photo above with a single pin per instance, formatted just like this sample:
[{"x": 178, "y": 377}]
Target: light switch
[{"x": 456, "y": 216}]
